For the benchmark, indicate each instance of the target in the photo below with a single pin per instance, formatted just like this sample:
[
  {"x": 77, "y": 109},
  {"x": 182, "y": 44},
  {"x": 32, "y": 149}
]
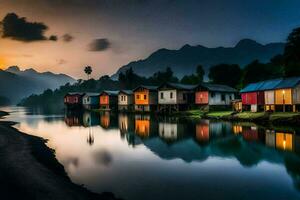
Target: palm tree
[{"x": 88, "y": 70}]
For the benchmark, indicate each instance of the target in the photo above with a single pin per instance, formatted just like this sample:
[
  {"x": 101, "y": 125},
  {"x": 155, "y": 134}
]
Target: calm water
[{"x": 142, "y": 157}]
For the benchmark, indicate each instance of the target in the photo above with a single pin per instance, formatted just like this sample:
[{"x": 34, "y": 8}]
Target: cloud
[
  {"x": 99, "y": 45},
  {"x": 53, "y": 38},
  {"x": 61, "y": 61},
  {"x": 18, "y": 28},
  {"x": 67, "y": 37}
]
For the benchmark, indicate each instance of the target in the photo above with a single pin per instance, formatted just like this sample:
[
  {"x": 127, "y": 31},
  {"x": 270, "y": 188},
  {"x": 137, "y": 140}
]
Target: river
[{"x": 148, "y": 157}]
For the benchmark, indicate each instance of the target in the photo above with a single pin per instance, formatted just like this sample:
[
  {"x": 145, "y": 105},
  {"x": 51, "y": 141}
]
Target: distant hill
[
  {"x": 184, "y": 60},
  {"x": 16, "y": 84}
]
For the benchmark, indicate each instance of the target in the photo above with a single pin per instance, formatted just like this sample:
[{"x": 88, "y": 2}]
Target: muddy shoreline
[{"x": 30, "y": 170}]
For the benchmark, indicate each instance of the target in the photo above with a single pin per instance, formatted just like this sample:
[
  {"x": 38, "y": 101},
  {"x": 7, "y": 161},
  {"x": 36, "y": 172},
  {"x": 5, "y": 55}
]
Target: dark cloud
[
  {"x": 53, "y": 38},
  {"x": 18, "y": 28},
  {"x": 67, "y": 37},
  {"x": 99, "y": 45}
]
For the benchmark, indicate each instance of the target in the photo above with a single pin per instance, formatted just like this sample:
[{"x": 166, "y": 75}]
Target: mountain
[
  {"x": 16, "y": 84},
  {"x": 184, "y": 60}
]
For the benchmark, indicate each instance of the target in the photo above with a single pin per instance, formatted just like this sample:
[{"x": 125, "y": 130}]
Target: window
[
  {"x": 223, "y": 97},
  {"x": 145, "y": 97},
  {"x": 138, "y": 96},
  {"x": 161, "y": 95},
  {"x": 171, "y": 95},
  {"x": 212, "y": 94}
]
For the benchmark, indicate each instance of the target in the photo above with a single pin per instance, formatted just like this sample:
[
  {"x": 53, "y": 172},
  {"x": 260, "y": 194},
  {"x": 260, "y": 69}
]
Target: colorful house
[
  {"x": 73, "y": 99},
  {"x": 287, "y": 94},
  {"x": 91, "y": 100},
  {"x": 109, "y": 100},
  {"x": 175, "y": 97},
  {"x": 145, "y": 98},
  {"x": 272, "y": 95},
  {"x": 125, "y": 100},
  {"x": 207, "y": 94}
]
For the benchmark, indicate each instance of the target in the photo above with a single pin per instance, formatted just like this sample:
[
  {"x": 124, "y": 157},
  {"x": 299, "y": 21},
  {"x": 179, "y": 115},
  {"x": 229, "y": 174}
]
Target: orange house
[
  {"x": 145, "y": 98},
  {"x": 109, "y": 100}
]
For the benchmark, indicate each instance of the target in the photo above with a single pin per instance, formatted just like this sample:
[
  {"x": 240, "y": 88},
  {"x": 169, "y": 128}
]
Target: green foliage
[
  {"x": 225, "y": 74},
  {"x": 257, "y": 71},
  {"x": 55, "y": 97},
  {"x": 292, "y": 54},
  {"x": 194, "y": 78}
]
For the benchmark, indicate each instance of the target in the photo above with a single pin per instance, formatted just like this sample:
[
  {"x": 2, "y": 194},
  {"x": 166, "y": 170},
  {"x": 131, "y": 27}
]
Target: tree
[
  {"x": 190, "y": 79},
  {"x": 257, "y": 71},
  {"x": 88, "y": 70},
  {"x": 225, "y": 74},
  {"x": 292, "y": 54},
  {"x": 194, "y": 79},
  {"x": 200, "y": 72}
]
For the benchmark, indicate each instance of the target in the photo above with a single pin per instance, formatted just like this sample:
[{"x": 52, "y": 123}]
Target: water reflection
[{"x": 138, "y": 156}]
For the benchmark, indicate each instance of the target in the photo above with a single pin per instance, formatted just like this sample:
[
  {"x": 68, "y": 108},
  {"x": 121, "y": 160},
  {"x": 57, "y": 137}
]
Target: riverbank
[
  {"x": 29, "y": 170},
  {"x": 276, "y": 118}
]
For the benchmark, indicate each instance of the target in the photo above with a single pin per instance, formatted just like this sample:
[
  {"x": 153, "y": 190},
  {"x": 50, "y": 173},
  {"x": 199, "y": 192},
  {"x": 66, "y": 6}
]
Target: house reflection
[
  {"x": 202, "y": 132},
  {"x": 126, "y": 124},
  {"x": 270, "y": 138},
  {"x": 105, "y": 120},
  {"x": 90, "y": 119},
  {"x": 207, "y": 131},
  {"x": 142, "y": 125},
  {"x": 168, "y": 131},
  {"x": 237, "y": 129},
  {"x": 284, "y": 141},
  {"x": 281, "y": 140},
  {"x": 73, "y": 119},
  {"x": 250, "y": 133}
]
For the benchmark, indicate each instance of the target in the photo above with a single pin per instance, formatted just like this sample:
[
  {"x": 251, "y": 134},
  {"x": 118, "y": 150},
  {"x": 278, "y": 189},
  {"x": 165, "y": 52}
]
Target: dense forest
[{"x": 285, "y": 65}]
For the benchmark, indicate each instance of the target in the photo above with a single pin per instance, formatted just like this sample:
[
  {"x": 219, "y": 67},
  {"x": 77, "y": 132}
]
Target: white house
[{"x": 125, "y": 100}]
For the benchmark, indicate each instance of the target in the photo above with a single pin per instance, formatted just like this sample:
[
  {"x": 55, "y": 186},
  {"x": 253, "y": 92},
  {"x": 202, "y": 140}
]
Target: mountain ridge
[
  {"x": 16, "y": 84},
  {"x": 184, "y": 60}
]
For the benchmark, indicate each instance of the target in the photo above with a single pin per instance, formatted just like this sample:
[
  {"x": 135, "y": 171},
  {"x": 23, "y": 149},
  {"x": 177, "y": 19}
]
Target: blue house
[{"x": 91, "y": 100}]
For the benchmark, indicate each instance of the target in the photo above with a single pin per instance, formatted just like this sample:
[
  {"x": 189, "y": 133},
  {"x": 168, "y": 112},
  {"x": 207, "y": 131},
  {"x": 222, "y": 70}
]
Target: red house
[
  {"x": 73, "y": 99},
  {"x": 252, "y": 97}
]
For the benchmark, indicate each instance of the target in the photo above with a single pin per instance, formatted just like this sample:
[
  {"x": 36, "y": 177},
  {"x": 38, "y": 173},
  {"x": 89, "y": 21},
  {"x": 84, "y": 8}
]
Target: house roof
[
  {"x": 92, "y": 94},
  {"x": 110, "y": 92},
  {"x": 76, "y": 93},
  {"x": 217, "y": 87},
  {"x": 272, "y": 84},
  {"x": 179, "y": 86},
  {"x": 148, "y": 87},
  {"x": 288, "y": 83},
  {"x": 128, "y": 92}
]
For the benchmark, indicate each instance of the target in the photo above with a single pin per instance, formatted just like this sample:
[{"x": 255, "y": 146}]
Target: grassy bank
[{"x": 283, "y": 118}]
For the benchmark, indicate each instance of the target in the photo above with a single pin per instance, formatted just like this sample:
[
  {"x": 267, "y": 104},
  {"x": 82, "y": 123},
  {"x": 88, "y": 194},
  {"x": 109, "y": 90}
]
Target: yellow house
[
  {"x": 145, "y": 98},
  {"x": 283, "y": 97}
]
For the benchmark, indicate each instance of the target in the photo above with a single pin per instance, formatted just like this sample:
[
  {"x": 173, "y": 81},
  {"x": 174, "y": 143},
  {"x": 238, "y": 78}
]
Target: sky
[{"x": 107, "y": 34}]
